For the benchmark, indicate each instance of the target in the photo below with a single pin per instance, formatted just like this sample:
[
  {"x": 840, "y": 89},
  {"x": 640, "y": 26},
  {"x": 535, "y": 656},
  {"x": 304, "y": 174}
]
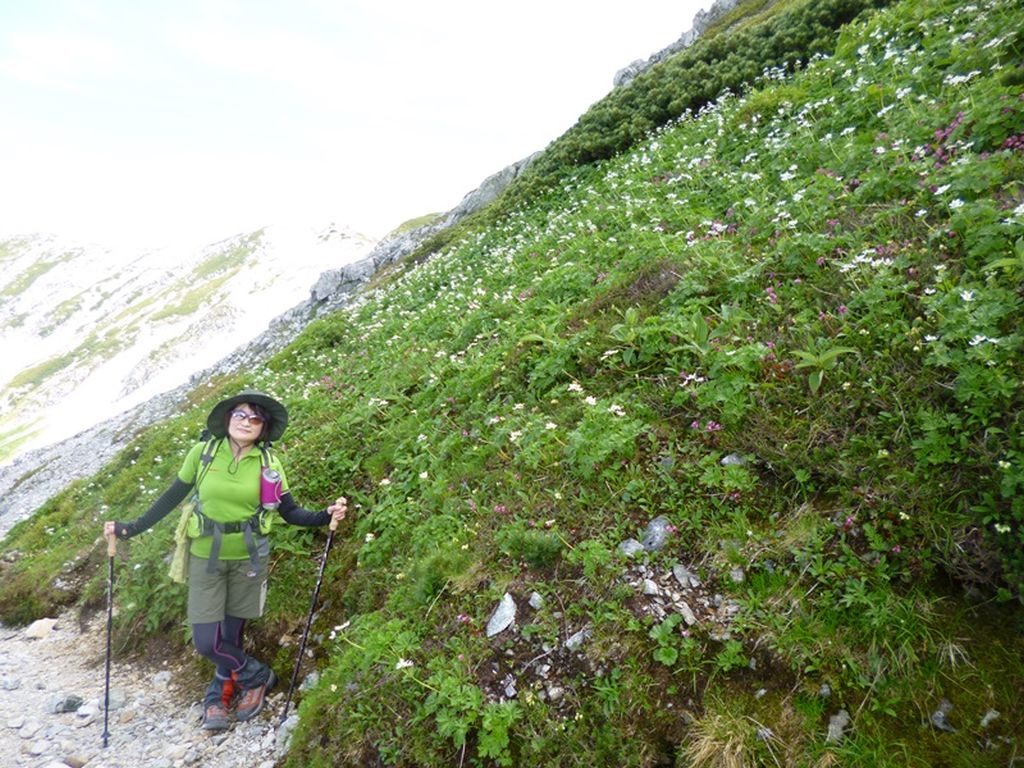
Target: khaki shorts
[{"x": 228, "y": 592}]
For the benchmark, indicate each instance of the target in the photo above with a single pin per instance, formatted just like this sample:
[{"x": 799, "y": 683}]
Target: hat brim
[{"x": 278, "y": 414}]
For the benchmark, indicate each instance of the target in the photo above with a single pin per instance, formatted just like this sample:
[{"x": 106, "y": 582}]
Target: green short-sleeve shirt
[{"x": 229, "y": 492}]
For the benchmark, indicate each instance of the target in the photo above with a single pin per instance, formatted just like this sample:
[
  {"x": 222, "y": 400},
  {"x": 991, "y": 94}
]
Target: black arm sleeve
[
  {"x": 296, "y": 515},
  {"x": 160, "y": 508}
]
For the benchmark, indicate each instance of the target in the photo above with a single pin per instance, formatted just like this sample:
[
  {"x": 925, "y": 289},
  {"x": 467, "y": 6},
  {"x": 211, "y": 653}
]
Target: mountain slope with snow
[{"x": 88, "y": 331}]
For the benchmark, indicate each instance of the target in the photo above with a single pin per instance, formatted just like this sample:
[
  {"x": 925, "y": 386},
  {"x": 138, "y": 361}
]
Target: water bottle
[{"x": 270, "y": 488}]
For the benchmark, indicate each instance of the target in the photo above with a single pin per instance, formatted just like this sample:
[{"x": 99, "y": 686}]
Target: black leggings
[{"x": 221, "y": 643}]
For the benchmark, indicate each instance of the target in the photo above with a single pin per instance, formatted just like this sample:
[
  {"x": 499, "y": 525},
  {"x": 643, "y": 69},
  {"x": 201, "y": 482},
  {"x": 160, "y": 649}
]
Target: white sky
[{"x": 136, "y": 122}]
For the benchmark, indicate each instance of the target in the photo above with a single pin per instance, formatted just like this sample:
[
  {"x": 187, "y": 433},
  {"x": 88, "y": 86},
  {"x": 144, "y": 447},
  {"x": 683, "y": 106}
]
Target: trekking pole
[
  {"x": 309, "y": 620},
  {"x": 111, "y": 551}
]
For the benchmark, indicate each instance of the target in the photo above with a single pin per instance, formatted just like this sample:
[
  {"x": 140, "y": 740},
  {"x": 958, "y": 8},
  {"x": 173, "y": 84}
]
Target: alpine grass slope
[{"x": 788, "y": 322}]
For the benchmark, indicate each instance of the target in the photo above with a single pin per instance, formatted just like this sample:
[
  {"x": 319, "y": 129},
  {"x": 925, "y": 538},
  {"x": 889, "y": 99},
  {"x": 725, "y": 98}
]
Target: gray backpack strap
[{"x": 218, "y": 535}]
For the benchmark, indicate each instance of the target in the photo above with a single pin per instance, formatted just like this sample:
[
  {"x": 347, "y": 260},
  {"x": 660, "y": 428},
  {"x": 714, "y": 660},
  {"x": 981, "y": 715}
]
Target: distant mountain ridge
[{"x": 89, "y": 331}]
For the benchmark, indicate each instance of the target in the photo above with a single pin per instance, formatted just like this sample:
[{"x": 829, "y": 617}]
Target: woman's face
[{"x": 245, "y": 425}]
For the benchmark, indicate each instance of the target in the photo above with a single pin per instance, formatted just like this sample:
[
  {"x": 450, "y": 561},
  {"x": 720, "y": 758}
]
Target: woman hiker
[{"x": 227, "y": 569}]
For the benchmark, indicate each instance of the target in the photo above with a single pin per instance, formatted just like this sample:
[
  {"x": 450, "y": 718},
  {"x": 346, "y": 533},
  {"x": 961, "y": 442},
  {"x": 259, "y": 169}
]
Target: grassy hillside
[{"x": 788, "y": 323}]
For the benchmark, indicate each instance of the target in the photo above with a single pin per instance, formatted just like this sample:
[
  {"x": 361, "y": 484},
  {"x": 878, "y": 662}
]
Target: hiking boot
[
  {"x": 215, "y": 717},
  {"x": 215, "y": 709},
  {"x": 255, "y": 679},
  {"x": 230, "y": 693}
]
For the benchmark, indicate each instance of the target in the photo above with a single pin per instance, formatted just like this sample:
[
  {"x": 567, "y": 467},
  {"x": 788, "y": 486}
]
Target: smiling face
[{"x": 246, "y": 423}]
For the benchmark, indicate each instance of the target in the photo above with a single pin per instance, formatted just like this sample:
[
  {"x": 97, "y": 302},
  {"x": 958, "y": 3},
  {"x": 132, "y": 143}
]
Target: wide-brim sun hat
[{"x": 277, "y": 413}]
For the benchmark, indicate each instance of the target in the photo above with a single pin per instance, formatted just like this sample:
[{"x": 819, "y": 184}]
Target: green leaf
[{"x": 667, "y": 655}]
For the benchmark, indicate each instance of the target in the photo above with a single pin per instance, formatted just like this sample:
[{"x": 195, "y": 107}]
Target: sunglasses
[{"x": 253, "y": 418}]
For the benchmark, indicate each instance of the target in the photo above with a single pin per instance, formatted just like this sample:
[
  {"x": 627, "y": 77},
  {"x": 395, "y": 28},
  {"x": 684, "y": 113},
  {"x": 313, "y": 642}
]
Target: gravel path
[{"x": 151, "y": 723}]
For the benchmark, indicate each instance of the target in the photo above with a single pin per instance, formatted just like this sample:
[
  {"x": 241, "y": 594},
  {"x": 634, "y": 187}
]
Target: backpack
[{"x": 193, "y": 523}]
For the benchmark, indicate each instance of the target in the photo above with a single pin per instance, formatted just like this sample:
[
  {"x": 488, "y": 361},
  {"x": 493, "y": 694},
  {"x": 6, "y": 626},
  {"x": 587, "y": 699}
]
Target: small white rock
[
  {"x": 503, "y": 616},
  {"x": 40, "y": 629}
]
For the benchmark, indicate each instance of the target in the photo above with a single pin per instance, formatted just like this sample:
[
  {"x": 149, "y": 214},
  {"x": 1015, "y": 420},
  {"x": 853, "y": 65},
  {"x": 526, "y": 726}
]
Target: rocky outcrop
[{"x": 701, "y": 21}]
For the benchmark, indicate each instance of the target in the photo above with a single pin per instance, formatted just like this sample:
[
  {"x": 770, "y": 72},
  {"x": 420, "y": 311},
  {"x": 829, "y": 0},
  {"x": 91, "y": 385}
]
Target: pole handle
[
  {"x": 334, "y": 521},
  {"x": 111, "y": 546}
]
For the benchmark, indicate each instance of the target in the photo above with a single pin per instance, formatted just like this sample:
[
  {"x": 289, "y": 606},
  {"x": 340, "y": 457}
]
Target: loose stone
[
  {"x": 685, "y": 578},
  {"x": 657, "y": 533},
  {"x": 940, "y": 717},
  {"x": 688, "y": 615},
  {"x": 631, "y": 547},
  {"x": 61, "y": 704},
  {"x": 503, "y": 616},
  {"x": 989, "y": 717},
  {"x": 575, "y": 642},
  {"x": 837, "y": 725}
]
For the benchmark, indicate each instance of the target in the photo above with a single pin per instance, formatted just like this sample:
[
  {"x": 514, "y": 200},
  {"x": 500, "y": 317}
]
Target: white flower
[
  {"x": 423, "y": 475},
  {"x": 942, "y": 190},
  {"x": 921, "y": 213},
  {"x": 514, "y": 435},
  {"x": 403, "y": 664},
  {"x": 551, "y": 425},
  {"x": 616, "y": 410},
  {"x": 518, "y": 407},
  {"x": 386, "y": 481},
  {"x": 958, "y": 203},
  {"x": 369, "y": 537},
  {"x": 575, "y": 387},
  {"x": 590, "y": 400},
  {"x": 967, "y": 295}
]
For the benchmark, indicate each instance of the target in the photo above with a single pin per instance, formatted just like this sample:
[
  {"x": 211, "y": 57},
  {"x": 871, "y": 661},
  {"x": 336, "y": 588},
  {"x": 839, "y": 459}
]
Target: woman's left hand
[{"x": 338, "y": 509}]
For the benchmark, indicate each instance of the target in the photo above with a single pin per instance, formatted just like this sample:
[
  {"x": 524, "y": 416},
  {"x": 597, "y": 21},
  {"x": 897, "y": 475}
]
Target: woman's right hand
[{"x": 109, "y": 529}]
